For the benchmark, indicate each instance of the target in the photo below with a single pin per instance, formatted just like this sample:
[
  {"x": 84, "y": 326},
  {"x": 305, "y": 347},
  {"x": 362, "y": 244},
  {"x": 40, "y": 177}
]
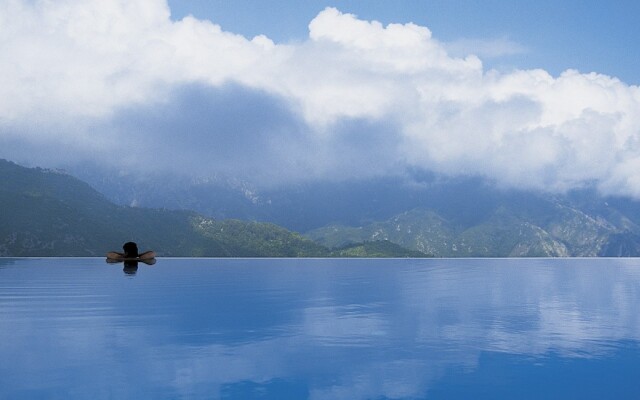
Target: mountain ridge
[
  {"x": 50, "y": 213},
  {"x": 506, "y": 232},
  {"x": 464, "y": 217}
]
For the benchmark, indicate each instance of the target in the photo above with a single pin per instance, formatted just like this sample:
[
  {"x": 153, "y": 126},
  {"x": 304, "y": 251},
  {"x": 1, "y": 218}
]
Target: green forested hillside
[
  {"x": 549, "y": 228},
  {"x": 378, "y": 248},
  {"x": 49, "y": 213}
]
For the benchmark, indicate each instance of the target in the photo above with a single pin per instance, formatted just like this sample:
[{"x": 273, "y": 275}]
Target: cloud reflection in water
[{"x": 338, "y": 329}]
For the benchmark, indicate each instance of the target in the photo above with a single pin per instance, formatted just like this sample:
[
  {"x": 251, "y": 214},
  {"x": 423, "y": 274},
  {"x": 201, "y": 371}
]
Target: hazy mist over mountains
[
  {"x": 50, "y": 213},
  {"x": 438, "y": 216}
]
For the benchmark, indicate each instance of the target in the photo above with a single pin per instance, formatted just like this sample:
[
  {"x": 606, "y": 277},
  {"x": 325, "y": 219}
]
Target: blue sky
[
  {"x": 588, "y": 35},
  {"x": 535, "y": 95}
]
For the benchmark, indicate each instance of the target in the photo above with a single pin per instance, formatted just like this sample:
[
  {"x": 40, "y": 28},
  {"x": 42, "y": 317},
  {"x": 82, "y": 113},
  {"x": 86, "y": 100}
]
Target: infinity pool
[{"x": 320, "y": 329}]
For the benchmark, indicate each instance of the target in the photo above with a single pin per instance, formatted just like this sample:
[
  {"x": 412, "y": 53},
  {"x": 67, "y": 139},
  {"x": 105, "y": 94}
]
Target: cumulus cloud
[{"x": 356, "y": 99}]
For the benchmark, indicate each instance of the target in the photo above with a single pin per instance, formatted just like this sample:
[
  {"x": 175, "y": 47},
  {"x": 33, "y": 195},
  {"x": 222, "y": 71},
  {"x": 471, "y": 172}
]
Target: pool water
[{"x": 73, "y": 328}]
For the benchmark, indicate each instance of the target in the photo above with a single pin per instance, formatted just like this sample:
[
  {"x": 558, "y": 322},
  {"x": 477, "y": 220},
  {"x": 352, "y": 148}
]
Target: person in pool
[{"x": 131, "y": 253}]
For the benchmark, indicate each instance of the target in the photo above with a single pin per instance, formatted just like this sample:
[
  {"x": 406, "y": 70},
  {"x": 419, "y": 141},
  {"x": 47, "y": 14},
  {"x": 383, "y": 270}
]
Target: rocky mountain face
[{"x": 563, "y": 230}]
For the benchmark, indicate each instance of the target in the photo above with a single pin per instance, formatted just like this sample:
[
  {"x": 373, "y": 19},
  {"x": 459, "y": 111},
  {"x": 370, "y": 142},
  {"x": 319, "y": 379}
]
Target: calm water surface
[{"x": 320, "y": 329}]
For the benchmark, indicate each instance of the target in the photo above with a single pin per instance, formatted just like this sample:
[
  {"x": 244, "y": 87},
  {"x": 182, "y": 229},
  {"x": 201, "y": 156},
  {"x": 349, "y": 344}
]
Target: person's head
[{"x": 130, "y": 249}]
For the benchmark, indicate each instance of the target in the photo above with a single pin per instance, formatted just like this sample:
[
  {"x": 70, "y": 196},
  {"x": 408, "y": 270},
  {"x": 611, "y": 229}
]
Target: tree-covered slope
[
  {"x": 49, "y": 213},
  {"x": 376, "y": 249}
]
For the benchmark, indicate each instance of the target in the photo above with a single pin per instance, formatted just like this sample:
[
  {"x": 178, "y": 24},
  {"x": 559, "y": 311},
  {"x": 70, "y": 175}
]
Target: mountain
[
  {"x": 298, "y": 207},
  {"x": 546, "y": 226},
  {"x": 423, "y": 212},
  {"x": 50, "y": 213},
  {"x": 420, "y": 212},
  {"x": 301, "y": 207}
]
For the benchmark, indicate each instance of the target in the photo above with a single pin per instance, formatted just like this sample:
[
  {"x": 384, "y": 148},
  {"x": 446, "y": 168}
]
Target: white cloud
[
  {"x": 71, "y": 68},
  {"x": 491, "y": 48}
]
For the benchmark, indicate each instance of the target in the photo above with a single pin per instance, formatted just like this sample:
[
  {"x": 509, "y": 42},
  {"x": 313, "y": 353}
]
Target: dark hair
[{"x": 130, "y": 249}]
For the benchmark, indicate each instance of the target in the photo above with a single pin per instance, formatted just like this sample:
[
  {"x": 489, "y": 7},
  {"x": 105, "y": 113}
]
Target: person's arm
[
  {"x": 147, "y": 255},
  {"x": 115, "y": 255}
]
